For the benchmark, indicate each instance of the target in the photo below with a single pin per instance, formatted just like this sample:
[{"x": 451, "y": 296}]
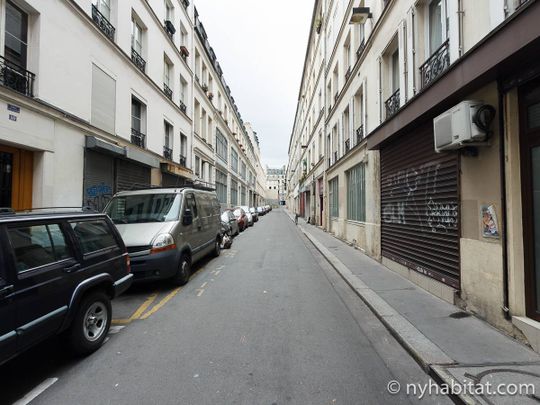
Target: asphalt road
[{"x": 268, "y": 322}]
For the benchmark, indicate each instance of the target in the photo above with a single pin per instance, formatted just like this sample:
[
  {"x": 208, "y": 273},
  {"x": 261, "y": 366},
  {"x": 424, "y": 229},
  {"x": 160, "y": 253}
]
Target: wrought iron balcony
[
  {"x": 336, "y": 96},
  {"x": 185, "y": 3},
  {"x": 138, "y": 138},
  {"x": 138, "y": 60},
  {"x": 435, "y": 65},
  {"x": 16, "y": 78},
  {"x": 183, "y": 161},
  {"x": 103, "y": 24},
  {"x": 347, "y": 145},
  {"x": 167, "y": 90},
  {"x": 169, "y": 28},
  {"x": 392, "y": 104},
  {"x": 361, "y": 48},
  {"x": 359, "y": 134},
  {"x": 167, "y": 153},
  {"x": 183, "y": 107},
  {"x": 335, "y": 157},
  {"x": 348, "y": 74}
]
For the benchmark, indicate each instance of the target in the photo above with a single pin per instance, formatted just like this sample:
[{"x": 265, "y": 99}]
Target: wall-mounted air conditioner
[{"x": 456, "y": 129}]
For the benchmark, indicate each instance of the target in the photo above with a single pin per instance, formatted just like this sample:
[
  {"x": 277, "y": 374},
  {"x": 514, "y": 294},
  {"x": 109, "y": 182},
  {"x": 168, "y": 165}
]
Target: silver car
[{"x": 167, "y": 230}]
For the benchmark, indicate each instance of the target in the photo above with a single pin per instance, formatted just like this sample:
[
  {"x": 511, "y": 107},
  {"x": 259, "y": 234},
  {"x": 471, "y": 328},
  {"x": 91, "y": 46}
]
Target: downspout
[
  {"x": 502, "y": 171},
  {"x": 460, "y": 28}
]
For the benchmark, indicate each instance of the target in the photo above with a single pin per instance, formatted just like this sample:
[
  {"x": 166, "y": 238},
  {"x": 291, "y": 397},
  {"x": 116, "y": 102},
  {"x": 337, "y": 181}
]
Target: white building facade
[
  {"x": 109, "y": 107},
  {"x": 456, "y": 222}
]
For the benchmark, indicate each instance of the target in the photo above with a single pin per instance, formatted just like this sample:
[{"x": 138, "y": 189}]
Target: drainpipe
[
  {"x": 460, "y": 28},
  {"x": 502, "y": 171}
]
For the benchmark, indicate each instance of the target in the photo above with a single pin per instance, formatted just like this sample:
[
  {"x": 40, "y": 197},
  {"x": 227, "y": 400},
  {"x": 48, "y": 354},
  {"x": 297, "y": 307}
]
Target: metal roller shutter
[
  {"x": 420, "y": 206},
  {"x": 98, "y": 179},
  {"x": 130, "y": 175}
]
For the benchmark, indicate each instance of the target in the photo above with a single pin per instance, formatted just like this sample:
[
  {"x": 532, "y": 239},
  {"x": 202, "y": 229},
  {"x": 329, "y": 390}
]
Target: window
[
  {"x": 242, "y": 195},
  {"x": 183, "y": 147},
  {"x": 221, "y": 146},
  {"x": 197, "y": 166},
  {"x": 137, "y": 209},
  {"x": 243, "y": 170},
  {"x": 16, "y": 35},
  {"x": 167, "y": 67},
  {"x": 234, "y": 193},
  {"x": 103, "y": 100},
  {"x": 234, "y": 160},
  {"x": 93, "y": 236},
  {"x": 37, "y": 245},
  {"x": 169, "y": 11},
  {"x": 183, "y": 90},
  {"x": 395, "y": 71},
  {"x": 104, "y": 7},
  {"x": 192, "y": 205},
  {"x": 221, "y": 187},
  {"x": 435, "y": 25},
  {"x": 136, "y": 37},
  {"x": 333, "y": 191},
  {"x": 138, "y": 117},
  {"x": 169, "y": 131},
  {"x": 356, "y": 193}
]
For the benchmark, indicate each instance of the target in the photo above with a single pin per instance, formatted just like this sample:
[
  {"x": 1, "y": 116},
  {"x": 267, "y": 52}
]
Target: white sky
[{"x": 261, "y": 46}]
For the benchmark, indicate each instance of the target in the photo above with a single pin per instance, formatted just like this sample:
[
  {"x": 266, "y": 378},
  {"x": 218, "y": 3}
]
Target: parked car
[
  {"x": 249, "y": 215},
  {"x": 241, "y": 217},
  {"x": 166, "y": 230},
  {"x": 59, "y": 272},
  {"x": 255, "y": 214},
  {"x": 261, "y": 211},
  {"x": 228, "y": 217}
]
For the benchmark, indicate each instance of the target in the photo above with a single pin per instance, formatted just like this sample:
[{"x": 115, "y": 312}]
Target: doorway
[
  {"x": 16, "y": 177},
  {"x": 529, "y": 102},
  {"x": 6, "y": 179}
]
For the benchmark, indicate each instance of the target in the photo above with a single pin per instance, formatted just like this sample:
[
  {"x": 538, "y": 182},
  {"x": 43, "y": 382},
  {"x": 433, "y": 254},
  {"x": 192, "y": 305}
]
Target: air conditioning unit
[{"x": 455, "y": 128}]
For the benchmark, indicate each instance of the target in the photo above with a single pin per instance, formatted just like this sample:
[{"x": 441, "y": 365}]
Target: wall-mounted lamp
[{"x": 360, "y": 15}]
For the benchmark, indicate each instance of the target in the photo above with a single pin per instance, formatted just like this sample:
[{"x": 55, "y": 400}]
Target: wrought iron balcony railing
[
  {"x": 167, "y": 153},
  {"x": 359, "y": 134},
  {"x": 335, "y": 157},
  {"x": 167, "y": 90},
  {"x": 103, "y": 24},
  {"x": 392, "y": 104},
  {"x": 348, "y": 73},
  {"x": 16, "y": 78},
  {"x": 138, "y": 60},
  {"x": 336, "y": 96},
  {"x": 183, "y": 107},
  {"x": 347, "y": 145},
  {"x": 185, "y": 3},
  {"x": 435, "y": 65},
  {"x": 183, "y": 161},
  {"x": 361, "y": 48},
  {"x": 138, "y": 138}
]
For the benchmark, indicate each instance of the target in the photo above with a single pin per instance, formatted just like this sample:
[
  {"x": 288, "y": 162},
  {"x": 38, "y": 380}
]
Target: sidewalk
[{"x": 449, "y": 343}]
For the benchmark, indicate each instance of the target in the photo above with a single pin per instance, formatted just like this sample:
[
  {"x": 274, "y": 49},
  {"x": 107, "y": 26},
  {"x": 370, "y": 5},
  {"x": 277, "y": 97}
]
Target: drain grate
[{"x": 459, "y": 315}]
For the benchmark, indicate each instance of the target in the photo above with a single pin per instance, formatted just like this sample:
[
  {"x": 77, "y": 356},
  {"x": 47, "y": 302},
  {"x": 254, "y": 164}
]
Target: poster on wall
[{"x": 490, "y": 226}]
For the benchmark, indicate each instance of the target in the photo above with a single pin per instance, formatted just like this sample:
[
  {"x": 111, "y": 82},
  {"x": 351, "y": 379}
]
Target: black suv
[{"x": 58, "y": 274}]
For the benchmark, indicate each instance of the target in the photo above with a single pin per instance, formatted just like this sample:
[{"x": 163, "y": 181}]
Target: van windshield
[{"x": 141, "y": 208}]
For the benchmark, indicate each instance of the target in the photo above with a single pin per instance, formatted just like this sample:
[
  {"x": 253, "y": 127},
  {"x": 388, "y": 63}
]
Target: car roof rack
[
  {"x": 48, "y": 210},
  {"x": 198, "y": 185}
]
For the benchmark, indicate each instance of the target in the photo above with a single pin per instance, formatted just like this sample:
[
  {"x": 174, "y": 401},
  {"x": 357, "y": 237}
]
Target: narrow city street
[{"x": 268, "y": 322}]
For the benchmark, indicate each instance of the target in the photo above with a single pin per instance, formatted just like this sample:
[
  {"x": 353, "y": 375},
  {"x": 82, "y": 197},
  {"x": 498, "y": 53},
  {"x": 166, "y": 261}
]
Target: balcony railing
[
  {"x": 435, "y": 65},
  {"x": 348, "y": 74},
  {"x": 16, "y": 78},
  {"x": 167, "y": 153},
  {"x": 183, "y": 107},
  {"x": 361, "y": 48},
  {"x": 103, "y": 24},
  {"x": 359, "y": 134},
  {"x": 335, "y": 157},
  {"x": 392, "y": 104},
  {"x": 347, "y": 145},
  {"x": 185, "y": 3},
  {"x": 167, "y": 90},
  {"x": 336, "y": 96},
  {"x": 169, "y": 28},
  {"x": 138, "y": 138},
  {"x": 183, "y": 161},
  {"x": 138, "y": 60}
]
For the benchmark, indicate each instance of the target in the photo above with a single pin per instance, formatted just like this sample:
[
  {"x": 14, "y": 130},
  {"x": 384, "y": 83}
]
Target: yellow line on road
[
  {"x": 161, "y": 303},
  {"x": 137, "y": 314},
  {"x": 120, "y": 321}
]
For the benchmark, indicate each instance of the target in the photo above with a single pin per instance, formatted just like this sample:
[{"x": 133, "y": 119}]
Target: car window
[
  {"x": 192, "y": 205},
  {"x": 93, "y": 236},
  {"x": 37, "y": 245}
]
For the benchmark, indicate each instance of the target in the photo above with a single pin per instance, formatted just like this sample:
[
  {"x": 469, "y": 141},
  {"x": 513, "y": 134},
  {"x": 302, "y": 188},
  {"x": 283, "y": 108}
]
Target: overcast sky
[{"x": 261, "y": 46}]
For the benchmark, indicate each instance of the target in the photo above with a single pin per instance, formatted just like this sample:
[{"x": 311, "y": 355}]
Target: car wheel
[
  {"x": 217, "y": 248},
  {"x": 91, "y": 324},
  {"x": 184, "y": 270}
]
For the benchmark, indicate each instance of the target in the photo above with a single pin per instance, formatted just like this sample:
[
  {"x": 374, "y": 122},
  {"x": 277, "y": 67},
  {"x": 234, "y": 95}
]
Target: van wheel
[
  {"x": 184, "y": 270},
  {"x": 91, "y": 324},
  {"x": 217, "y": 248}
]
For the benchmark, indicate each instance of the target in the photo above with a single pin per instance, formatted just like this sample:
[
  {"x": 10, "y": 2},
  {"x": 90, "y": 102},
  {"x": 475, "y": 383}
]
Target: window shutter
[{"x": 103, "y": 100}]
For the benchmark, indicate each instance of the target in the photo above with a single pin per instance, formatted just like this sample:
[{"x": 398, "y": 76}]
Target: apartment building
[
  {"x": 224, "y": 151},
  {"x": 402, "y": 78},
  {"x": 275, "y": 185},
  {"x": 109, "y": 107}
]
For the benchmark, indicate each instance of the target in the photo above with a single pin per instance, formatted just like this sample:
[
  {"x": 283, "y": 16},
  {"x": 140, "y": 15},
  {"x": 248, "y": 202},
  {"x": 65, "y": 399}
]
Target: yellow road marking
[
  {"x": 120, "y": 321},
  {"x": 138, "y": 312},
  {"x": 161, "y": 303}
]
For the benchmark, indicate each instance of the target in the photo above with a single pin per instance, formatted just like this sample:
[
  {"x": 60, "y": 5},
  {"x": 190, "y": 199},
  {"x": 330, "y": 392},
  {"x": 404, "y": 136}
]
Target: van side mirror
[{"x": 187, "y": 219}]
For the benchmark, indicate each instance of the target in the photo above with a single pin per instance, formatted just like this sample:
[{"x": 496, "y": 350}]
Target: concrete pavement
[{"x": 452, "y": 345}]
